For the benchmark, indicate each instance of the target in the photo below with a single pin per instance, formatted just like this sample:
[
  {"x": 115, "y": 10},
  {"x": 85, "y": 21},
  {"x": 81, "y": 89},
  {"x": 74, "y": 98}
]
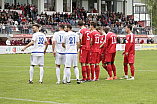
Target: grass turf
[{"x": 14, "y": 74}]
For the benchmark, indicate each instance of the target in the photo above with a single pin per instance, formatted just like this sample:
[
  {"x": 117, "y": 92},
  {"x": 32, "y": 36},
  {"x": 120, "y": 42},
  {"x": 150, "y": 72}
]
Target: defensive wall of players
[{"x": 120, "y": 47}]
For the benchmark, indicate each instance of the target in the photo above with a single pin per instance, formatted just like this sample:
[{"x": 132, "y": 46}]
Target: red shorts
[
  {"x": 110, "y": 57},
  {"x": 103, "y": 59},
  {"x": 129, "y": 59},
  {"x": 83, "y": 56},
  {"x": 94, "y": 57}
]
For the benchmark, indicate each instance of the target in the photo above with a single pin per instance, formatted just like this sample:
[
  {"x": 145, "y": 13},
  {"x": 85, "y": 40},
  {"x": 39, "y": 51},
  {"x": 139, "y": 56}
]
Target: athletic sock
[
  {"x": 88, "y": 72},
  {"x": 64, "y": 75},
  {"x": 31, "y": 72},
  {"x": 92, "y": 72},
  {"x": 41, "y": 73},
  {"x": 84, "y": 72},
  {"x": 132, "y": 70},
  {"x": 58, "y": 73},
  {"x": 105, "y": 68},
  {"x": 109, "y": 69},
  {"x": 114, "y": 69},
  {"x": 68, "y": 74},
  {"x": 97, "y": 70},
  {"x": 76, "y": 70},
  {"x": 126, "y": 69}
]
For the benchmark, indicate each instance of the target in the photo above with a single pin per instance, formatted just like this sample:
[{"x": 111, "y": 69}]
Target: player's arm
[
  {"x": 53, "y": 48},
  {"x": 77, "y": 43},
  {"x": 130, "y": 45},
  {"x": 102, "y": 45},
  {"x": 31, "y": 43},
  {"x": 46, "y": 47},
  {"x": 80, "y": 38},
  {"x": 63, "y": 45}
]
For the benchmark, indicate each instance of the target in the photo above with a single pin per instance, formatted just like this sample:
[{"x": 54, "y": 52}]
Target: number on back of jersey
[{"x": 41, "y": 40}]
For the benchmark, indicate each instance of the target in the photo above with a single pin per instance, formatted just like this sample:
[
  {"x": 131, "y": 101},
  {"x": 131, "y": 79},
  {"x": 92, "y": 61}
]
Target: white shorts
[
  {"x": 37, "y": 60},
  {"x": 60, "y": 59},
  {"x": 70, "y": 59}
]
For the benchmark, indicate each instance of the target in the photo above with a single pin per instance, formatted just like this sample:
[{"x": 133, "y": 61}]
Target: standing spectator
[{"x": 94, "y": 11}]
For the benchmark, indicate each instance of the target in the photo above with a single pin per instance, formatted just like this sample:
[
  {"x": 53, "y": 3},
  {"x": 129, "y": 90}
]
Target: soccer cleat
[
  {"x": 92, "y": 80},
  {"x": 89, "y": 80},
  {"x": 40, "y": 82},
  {"x": 115, "y": 77},
  {"x": 30, "y": 82},
  {"x": 110, "y": 78},
  {"x": 96, "y": 79},
  {"x": 58, "y": 82},
  {"x": 78, "y": 82},
  {"x": 82, "y": 81},
  {"x": 69, "y": 83},
  {"x": 124, "y": 77},
  {"x": 131, "y": 78},
  {"x": 64, "y": 82}
]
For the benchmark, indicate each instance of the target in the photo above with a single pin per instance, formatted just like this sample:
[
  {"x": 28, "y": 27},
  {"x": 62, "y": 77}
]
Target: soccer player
[
  {"x": 129, "y": 53},
  {"x": 102, "y": 46},
  {"x": 111, "y": 40},
  {"x": 38, "y": 51},
  {"x": 94, "y": 54},
  {"x": 84, "y": 50},
  {"x": 58, "y": 51},
  {"x": 71, "y": 43}
]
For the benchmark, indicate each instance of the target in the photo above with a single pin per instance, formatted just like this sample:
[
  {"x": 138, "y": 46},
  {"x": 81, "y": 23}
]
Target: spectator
[
  {"x": 149, "y": 40},
  {"x": 94, "y": 11},
  {"x": 142, "y": 41},
  {"x": 8, "y": 42}
]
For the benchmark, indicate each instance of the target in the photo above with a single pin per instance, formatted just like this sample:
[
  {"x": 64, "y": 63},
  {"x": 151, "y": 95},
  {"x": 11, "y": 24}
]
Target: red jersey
[
  {"x": 95, "y": 36},
  {"x": 111, "y": 41},
  {"x": 85, "y": 38},
  {"x": 130, "y": 44},
  {"x": 103, "y": 40}
]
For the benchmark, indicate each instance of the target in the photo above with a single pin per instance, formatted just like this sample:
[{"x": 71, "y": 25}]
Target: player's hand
[
  {"x": 54, "y": 54},
  {"x": 23, "y": 49},
  {"x": 123, "y": 53},
  {"x": 126, "y": 53},
  {"x": 44, "y": 52}
]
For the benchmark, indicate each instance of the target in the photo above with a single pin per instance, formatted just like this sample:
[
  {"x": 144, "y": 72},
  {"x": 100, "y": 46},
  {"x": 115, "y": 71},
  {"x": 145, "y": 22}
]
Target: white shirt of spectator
[
  {"x": 39, "y": 40},
  {"x": 8, "y": 42},
  {"x": 58, "y": 37},
  {"x": 70, "y": 39}
]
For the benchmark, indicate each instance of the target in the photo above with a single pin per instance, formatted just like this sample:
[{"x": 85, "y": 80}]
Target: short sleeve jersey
[
  {"x": 130, "y": 44},
  {"x": 103, "y": 40},
  {"x": 95, "y": 36},
  {"x": 58, "y": 37},
  {"x": 39, "y": 40},
  {"x": 70, "y": 39},
  {"x": 85, "y": 38},
  {"x": 111, "y": 41}
]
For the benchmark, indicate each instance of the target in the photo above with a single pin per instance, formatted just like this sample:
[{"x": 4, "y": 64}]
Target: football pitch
[{"x": 14, "y": 75}]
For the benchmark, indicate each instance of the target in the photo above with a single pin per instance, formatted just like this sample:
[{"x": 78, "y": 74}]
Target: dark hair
[
  {"x": 36, "y": 25},
  {"x": 80, "y": 23},
  {"x": 69, "y": 26},
  {"x": 99, "y": 28},
  {"x": 130, "y": 27},
  {"x": 93, "y": 24},
  {"x": 62, "y": 26}
]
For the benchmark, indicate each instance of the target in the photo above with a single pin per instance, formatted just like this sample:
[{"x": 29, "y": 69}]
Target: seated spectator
[
  {"x": 94, "y": 11},
  {"x": 8, "y": 42},
  {"x": 142, "y": 41},
  {"x": 149, "y": 40}
]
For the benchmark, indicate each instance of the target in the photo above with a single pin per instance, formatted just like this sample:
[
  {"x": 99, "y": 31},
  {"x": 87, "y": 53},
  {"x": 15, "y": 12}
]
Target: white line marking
[{"x": 32, "y": 100}]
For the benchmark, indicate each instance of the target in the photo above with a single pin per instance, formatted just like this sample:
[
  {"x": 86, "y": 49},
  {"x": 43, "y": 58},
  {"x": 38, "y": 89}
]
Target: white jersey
[
  {"x": 70, "y": 39},
  {"x": 39, "y": 40},
  {"x": 58, "y": 37}
]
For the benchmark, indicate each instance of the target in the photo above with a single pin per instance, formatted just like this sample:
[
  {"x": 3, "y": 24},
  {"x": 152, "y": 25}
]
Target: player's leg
[
  {"x": 113, "y": 66},
  {"x": 58, "y": 62},
  {"x": 131, "y": 64},
  {"x": 92, "y": 63},
  {"x": 41, "y": 64},
  {"x": 109, "y": 67},
  {"x": 68, "y": 60},
  {"x": 64, "y": 76},
  {"x": 87, "y": 66},
  {"x": 125, "y": 68},
  {"x": 76, "y": 70},
  {"x": 97, "y": 69}
]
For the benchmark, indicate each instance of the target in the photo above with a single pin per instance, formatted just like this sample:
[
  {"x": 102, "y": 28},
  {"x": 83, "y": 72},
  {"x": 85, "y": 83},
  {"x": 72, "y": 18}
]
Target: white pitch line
[{"x": 51, "y": 102}]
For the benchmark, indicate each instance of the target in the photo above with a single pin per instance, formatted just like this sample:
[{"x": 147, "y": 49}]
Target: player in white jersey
[
  {"x": 59, "y": 51},
  {"x": 70, "y": 43},
  {"x": 38, "y": 51}
]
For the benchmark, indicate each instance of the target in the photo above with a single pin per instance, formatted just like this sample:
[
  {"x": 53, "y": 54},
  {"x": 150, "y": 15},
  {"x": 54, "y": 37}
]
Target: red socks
[
  {"x": 92, "y": 72},
  {"x": 126, "y": 69},
  {"x": 88, "y": 72},
  {"x": 132, "y": 69},
  {"x": 109, "y": 69},
  {"x": 114, "y": 69},
  {"x": 84, "y": 72},
  {"x": 97, "y": 70}
]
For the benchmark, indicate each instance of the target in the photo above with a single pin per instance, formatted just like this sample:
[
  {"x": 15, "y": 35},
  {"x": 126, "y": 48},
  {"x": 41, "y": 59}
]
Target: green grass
[{"x": 14, "y": 74}]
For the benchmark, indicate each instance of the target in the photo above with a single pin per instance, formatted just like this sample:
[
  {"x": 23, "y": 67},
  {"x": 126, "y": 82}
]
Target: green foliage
[{"x": 14, "y": 74}]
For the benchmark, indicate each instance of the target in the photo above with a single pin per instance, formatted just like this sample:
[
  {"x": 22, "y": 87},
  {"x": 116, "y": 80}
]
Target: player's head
[
  {"x": 128, "y": 28},
  {"x": 80, "y": 24},
  {"x": 61, "y": 27},
  {"x": 93, "y": 25},
  {"x": 35, "y": 28},
  {"x": 65, "y": 28},
  {"x": 69, "y": 27},
  {"x": 99, "y": 29},
  {"x": 107, "y": 29}
]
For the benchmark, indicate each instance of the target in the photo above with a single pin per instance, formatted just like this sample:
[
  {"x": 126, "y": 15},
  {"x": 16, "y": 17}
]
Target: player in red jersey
[
  {"x": 111, "y": 40},
  {"x": 95, "y": 51},
  {"x": 102, "y": 46},
  {"x": 129, "y": 53},
  {"x": 84, "y": 50}
]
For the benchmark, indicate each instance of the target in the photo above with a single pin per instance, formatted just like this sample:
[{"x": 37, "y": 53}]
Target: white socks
[
  {"x": 58, "y": 73},
  {"x": 31, "y": 73},
  {"x": 64, "y": 74},
  {"x": 41, "y": 73},
  {"x": 76, "y": 70},
  {"x": 68, "y": 74}
]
